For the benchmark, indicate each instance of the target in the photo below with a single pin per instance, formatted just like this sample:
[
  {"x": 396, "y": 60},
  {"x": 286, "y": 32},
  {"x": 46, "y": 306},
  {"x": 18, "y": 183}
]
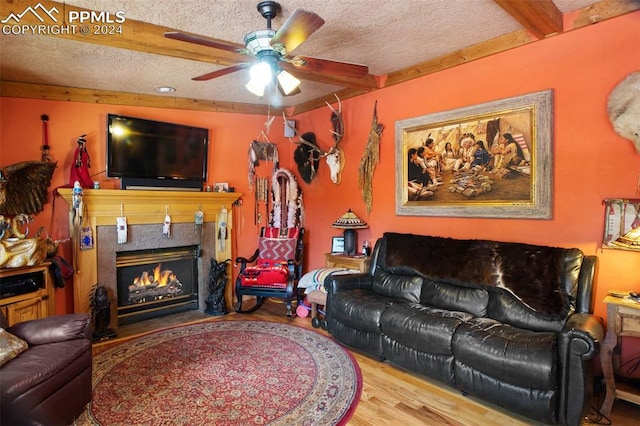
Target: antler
[
  {"x": 303, "y": 141},
  {"x": 337, "y": 123}
]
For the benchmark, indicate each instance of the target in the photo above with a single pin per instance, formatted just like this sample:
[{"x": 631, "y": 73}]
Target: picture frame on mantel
[{"x": 514, "y": 179}]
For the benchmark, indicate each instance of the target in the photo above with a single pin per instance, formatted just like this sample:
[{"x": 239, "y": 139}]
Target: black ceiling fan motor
[{"x": 269, "y": 10}]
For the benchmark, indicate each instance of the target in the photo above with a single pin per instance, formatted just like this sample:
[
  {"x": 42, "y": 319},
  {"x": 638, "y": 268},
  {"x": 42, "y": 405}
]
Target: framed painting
[{"x": 492, "y": 160}]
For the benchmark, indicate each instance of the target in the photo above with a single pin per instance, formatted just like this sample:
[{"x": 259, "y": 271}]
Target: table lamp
[{"x": 349, "y": 222}]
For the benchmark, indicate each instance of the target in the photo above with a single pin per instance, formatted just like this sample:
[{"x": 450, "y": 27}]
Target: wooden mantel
[{"x": 141, "y": 207}]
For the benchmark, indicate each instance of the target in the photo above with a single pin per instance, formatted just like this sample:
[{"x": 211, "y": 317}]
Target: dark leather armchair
[{"x": 50, "y": 382}]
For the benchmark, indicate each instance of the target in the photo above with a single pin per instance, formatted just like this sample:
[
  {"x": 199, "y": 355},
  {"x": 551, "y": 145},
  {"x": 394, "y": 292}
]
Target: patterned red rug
[{"x": 225, "y": 373}]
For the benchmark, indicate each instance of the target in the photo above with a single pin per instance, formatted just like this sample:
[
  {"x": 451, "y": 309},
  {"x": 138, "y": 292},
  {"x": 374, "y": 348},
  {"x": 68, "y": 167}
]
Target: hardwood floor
[{"x": 390, "y": 395}]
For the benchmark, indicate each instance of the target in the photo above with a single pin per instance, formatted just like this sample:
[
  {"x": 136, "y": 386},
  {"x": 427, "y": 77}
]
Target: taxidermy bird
[{"x": 23, "y": 187}]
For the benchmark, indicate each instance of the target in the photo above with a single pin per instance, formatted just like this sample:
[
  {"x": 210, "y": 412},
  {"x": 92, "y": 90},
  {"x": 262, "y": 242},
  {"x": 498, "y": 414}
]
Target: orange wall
[{"x": 591, "y": 162}]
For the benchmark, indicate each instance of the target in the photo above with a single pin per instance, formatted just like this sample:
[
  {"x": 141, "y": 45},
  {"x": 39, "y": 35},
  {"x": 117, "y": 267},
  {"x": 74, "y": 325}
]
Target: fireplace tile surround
[
  {"x": 145, "y": 211},
  {"x": 141, "y": 237}
]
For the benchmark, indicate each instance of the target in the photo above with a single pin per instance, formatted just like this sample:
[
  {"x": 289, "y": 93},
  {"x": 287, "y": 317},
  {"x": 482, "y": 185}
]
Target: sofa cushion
[
  {"x": 504, "y": 307},
  {"x": 511, "y": 355},
  {"x": 422, "y": 328},
  {"x": 406, "y": 287},
  {"x": 455, "y": 297},
  {"x": 360, "y": 308},
  {"x": 38, "y": 364}
]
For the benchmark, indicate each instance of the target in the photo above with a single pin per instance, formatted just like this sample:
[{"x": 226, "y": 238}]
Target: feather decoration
[
  {"x": 370, "y": 159},
  {"x": 23, "y": 187}
]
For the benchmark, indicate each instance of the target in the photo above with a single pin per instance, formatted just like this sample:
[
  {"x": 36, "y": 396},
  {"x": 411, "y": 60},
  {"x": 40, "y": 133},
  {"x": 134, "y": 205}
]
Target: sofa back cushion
[
  {"x": 541, "y": 280},
  {"x": 399, "y": 286},
  {"x": 455, "y": 297},
  {"x": 506, "y": 308}
]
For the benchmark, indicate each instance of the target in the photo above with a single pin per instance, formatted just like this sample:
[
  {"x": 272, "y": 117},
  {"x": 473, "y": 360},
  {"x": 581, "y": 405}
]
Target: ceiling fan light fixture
[
  {"x": 288, "y": 83},
  {"x": 261, "y": 73},
  {"x": 259, "y": 40},
  {"x": 255, "y": 88}
]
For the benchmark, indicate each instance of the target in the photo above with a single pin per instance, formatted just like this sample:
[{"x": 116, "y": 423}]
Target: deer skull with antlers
[{"x": 334, "y": 156}]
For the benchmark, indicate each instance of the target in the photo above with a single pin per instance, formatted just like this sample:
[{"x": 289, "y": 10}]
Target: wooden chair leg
[{"x": 259, "y": 301}]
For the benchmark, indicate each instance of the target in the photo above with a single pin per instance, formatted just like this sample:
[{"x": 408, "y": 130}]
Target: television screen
[{"x": 152, "y": 153}]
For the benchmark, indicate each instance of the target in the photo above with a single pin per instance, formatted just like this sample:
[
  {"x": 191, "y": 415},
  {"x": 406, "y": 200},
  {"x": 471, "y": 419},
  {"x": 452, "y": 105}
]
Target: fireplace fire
[
  {"x": 155, "y": 286},
  {"x": 156, "y": 282}
]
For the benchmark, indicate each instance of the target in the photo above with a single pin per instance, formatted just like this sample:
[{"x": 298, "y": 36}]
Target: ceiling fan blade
[
  {"x": 307, "y": 63},
  {"x": 221, "y": 72},
  {"x": 205, "y": 41},
  {"x": 300, "y": 25}
]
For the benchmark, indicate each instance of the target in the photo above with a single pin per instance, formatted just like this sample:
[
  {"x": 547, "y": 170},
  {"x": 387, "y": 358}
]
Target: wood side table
[
  {"x": 338, "y": 260},
  {"x": 623, "y": 319}
]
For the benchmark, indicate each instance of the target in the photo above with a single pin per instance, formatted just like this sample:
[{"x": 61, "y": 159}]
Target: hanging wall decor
[
  {"x": 623, "y": 107},
  {"x": 288, "y": 211},
  {"x": 370, "y": 159},
  {"x": 622, "y": 224}
]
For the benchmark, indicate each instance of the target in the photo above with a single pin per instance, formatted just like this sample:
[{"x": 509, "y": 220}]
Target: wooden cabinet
[
  {"x": 361, "y": 263},
  {"x": 32, "y": 305}
]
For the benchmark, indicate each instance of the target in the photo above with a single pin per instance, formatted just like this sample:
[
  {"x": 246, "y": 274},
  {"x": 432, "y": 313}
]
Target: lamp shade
[{"x": 349, "y": 222}]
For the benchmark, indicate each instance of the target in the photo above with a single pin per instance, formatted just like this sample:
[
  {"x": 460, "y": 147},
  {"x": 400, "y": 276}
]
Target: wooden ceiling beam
[
  {"x": 541, "y": 17},
  {"x": 17, "y": 89}
]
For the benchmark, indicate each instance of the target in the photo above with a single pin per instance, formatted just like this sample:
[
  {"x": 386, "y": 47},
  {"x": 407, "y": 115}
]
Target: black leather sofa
[
  {"x": 50, "y": 382},
  {"x": 508, "y": 323}
]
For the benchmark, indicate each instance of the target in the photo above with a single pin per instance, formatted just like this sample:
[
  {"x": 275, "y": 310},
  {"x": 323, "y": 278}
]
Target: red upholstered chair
[{"x": 273, "y": 270}]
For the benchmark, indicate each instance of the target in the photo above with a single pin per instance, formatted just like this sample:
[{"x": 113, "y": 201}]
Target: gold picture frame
[{"x": 512, "y": 178}]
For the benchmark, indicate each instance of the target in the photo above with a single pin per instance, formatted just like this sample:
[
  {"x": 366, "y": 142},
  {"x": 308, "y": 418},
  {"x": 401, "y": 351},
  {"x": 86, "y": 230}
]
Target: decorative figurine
[
  {"x": 101, "y": 313},
  {"x": 216, "y": 304}
]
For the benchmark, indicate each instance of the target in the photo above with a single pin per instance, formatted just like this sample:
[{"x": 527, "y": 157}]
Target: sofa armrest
[
  {"x": 57, "y": 328},
  {"x": 582, "y": 335},
  {"x": 585, "y": 293},
  {"x": 578, "y": 342},
  {"x": 335, "y": 283}
]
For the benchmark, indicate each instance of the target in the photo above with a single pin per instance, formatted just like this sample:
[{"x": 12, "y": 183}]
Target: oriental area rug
[{"x": 225, "y": 373}]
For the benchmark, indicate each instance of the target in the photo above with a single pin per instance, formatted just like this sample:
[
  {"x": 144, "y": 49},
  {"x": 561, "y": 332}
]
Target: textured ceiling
[{"x": 387, "y": 36}]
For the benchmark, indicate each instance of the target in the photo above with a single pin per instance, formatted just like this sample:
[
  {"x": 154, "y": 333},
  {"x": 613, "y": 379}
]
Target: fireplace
[
  {"x": 156, "y": 282},
  {"x": 145, "y": 212},
  {"x": 144, "y": 253}
]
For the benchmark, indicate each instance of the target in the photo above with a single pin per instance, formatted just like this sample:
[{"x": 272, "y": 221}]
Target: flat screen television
[{"x": 147, "y": 154}]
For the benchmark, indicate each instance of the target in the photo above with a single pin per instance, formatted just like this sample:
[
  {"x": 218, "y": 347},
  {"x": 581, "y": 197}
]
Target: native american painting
[{"x": 488, "y": 160}]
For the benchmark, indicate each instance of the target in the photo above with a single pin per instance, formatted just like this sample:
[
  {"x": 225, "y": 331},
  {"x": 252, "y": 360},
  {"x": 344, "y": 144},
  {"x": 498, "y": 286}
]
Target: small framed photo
[
  {"x": 221, "y": 187},
  {"x": 337, "y": 245}
]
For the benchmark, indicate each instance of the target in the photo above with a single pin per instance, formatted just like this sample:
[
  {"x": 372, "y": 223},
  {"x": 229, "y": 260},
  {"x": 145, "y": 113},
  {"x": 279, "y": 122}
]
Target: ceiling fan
[{"x": 268, "y": 52}]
